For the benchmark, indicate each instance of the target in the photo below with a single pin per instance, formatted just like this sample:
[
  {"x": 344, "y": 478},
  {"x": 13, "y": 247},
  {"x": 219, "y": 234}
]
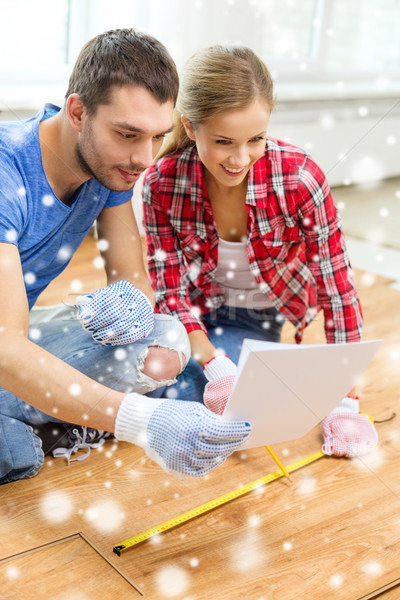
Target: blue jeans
[
  {"x": 227, "y": 327},
  {"x": 21, "y": 453}
]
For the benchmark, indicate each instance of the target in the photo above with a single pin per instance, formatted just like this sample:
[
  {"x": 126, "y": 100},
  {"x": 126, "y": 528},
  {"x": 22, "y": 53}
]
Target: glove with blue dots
[
  {"x": 117, "y": 314},
  {"x": 184, "y": 438}
]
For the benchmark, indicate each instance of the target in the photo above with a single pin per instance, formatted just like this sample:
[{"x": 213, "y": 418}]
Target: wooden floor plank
[
  {"x": 331, "y": 534},
  {"x": 70, "y": 568}
]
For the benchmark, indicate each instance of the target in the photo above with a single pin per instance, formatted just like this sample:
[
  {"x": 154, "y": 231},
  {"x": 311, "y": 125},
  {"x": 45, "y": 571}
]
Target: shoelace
[{"x": 82, "y": 442}]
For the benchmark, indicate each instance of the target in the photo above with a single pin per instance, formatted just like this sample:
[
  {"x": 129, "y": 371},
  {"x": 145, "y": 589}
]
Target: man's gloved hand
[
  {"x": 117, "y": 314},
  {"x": 184, "y": 438},
  {"x": 220, "y": 372},
  {"x": 346, "y": 432}
]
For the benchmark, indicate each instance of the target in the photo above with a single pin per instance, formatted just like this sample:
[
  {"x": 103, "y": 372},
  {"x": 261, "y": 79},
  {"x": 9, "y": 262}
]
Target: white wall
[{"x": 353, "y": 141}]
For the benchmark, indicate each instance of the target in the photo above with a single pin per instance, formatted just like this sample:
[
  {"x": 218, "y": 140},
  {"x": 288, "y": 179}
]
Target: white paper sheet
[{"x": 284, "y": 390}]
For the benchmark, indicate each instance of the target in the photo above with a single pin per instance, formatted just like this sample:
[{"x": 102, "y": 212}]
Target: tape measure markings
[{"x": 203, "y": 508}]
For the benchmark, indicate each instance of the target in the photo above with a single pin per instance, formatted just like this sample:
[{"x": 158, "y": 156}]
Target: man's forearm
[{"x": 54, "y": 387}]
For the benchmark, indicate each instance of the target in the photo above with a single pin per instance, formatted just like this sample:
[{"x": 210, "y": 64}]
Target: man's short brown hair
[{"x": 119, "y": 57}]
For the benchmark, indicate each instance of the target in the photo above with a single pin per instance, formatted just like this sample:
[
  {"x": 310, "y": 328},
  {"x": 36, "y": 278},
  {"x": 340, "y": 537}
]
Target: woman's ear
[
  {"x": 190, "y": 132},
  {"x": 75, "y": 111}
]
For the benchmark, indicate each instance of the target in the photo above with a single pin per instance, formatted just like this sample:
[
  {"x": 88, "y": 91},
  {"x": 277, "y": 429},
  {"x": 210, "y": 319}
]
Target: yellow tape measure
[{"x": 195, "y": 512}]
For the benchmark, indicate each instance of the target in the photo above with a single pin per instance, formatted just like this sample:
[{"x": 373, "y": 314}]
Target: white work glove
[
  {"x": 184, "y": 438},
  {"x": 346, "y": 432},
  {"x": 117, "y": 314},
  {"x": 220, "y": 372}
]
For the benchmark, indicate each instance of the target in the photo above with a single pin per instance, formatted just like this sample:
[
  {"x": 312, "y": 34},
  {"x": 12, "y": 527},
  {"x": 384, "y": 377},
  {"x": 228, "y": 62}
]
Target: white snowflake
[
  {"x": 368, "y": 279},
  {"x": 336, "y": 581},
  {"x": 156, "y": 539},
  {"x": 369, "y": 167},
  {"x": 120, "y": 354},
  {"x": 159, "y": 256},
  {"x": 172, "y": 581},
  {"x": 171, "y": 393},
  {"x": 327, "y": 121},
  {"x": 11, "y": 235},
  {"x": 248, "y": 554},
  {"x": 103, "y": 245},
  {"x": 307, "y": 485},
  {"x": 64, "y": 253},
  {"x": 30, "y": 278},
  {"x": 287, "y": 546},
  {"x": 372, "y": 567},
  {"x": 48, "y": 200},
  {"x": 12, "y": 572},
  {"x": 56, "y": 506},
  {"x": 76, "y": 285},
  {"x": 254, "y": 521},
  {"x": 98, "y": 262},
  {"x": 75, "y": 389},
  {"x": 34, "y": 334},
  {"x": 105, "y": 515}
]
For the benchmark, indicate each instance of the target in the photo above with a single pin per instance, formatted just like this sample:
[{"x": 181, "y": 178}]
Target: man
[{"x": 59, "y": 171}]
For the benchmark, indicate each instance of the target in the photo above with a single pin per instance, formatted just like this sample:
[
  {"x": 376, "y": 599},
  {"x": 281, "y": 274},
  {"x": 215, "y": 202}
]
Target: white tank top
[{"x": 235, "y": 279}]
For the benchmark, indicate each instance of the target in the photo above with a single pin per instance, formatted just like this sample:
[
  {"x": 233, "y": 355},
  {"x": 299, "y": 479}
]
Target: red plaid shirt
[{"x": 295, "y": 246}]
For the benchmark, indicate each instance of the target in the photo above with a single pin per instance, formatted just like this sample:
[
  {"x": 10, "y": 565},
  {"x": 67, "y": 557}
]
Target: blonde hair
[{"x": 214, "y": 80}]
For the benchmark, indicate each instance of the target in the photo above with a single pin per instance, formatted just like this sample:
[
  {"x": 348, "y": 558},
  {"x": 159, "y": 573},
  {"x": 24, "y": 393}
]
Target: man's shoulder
[
  {"x": 17, "y": 135},
  {"x": 16, "y": 138}
]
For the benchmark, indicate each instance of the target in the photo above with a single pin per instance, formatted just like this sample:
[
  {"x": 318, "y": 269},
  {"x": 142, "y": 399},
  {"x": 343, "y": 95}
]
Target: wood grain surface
[{"x": 333, "y": 534}]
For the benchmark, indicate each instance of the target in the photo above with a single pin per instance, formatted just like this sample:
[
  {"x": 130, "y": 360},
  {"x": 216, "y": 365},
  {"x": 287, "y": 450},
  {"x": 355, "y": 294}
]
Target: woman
[{"x": 242, "y": 233}]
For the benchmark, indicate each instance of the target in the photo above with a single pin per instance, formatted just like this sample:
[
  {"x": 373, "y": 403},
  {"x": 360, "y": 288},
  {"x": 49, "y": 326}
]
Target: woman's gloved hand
[{"x": 347, "y": 432}]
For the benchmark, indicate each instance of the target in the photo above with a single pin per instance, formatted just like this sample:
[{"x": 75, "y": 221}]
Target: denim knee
[
  {"x": 21, "y": 454},
  {"x": 168, "y": 333}
]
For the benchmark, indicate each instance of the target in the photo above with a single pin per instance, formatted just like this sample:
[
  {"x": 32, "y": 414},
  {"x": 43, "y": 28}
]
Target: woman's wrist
[{"x": 202, "y": 349}]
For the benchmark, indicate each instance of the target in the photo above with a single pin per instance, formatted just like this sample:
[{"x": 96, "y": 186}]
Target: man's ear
[
  {"x": 190, "y": 132},
  {"x": 75, "y": 111}
]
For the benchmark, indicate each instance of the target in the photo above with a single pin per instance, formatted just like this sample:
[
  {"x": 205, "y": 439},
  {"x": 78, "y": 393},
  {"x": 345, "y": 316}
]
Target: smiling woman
[
  {"x": 261, "y": 219},
  {"x": 230, "y": 143}
]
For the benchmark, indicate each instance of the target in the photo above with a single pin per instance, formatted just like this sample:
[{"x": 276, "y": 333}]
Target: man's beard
[
  {"x": 82, "y": 162},
  {"x": 93, "y": 172},
  {"x": 98, "y": 174}
]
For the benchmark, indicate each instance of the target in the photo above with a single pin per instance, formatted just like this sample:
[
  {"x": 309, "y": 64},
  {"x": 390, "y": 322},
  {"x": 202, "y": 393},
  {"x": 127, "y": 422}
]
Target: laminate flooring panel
[{"x": 333, "y": 533}]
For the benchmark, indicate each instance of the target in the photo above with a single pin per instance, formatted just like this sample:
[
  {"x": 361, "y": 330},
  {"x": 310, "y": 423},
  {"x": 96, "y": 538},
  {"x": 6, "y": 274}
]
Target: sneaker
[
  {"x": 53, "y": 435},
  {"x": 81, "y": 438}
]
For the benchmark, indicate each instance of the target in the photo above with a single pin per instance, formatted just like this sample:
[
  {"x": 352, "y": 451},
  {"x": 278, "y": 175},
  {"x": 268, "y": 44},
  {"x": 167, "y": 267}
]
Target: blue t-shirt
[{"x": 46, "y": 231}]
